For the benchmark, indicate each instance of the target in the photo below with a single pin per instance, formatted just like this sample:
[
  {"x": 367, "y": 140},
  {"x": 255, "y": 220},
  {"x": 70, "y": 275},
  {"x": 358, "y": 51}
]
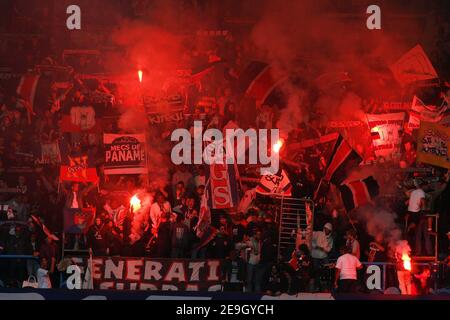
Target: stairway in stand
[{"x": 291, "y": 216}]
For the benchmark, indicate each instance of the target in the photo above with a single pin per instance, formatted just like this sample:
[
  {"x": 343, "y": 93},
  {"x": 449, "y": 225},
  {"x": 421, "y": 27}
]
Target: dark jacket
[
  {"x": 98, "y": 240},
  {"x": 81, "y": 195},
  {"x": 227, "y": 268},
  {"x": 180, "y": 235}
]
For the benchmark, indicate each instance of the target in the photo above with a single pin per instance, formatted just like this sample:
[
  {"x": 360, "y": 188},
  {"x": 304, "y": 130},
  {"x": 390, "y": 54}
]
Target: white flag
[{"x": 413, "y": 66}]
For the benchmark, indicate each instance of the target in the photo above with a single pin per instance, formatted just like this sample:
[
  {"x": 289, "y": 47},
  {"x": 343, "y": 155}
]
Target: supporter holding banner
[
  {"x": 78, "y": 220},
  {"x": 126, "y": 273},
  {"x": 77, "y": 167},
  {"x": 429, "y": 113},
  {"x": 386, "y": 131},
  {"x": 125, "y": 154},
  {"x": 433, "y": 145}
]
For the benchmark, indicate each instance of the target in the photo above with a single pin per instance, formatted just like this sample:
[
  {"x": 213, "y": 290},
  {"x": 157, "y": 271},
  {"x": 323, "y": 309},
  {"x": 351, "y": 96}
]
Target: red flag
[
  {"x": 47, "y": 232},
  {"x": 342, "y": 159},
  {"x": 358, "y": 193},
  {"x": 27, "y": 87}
]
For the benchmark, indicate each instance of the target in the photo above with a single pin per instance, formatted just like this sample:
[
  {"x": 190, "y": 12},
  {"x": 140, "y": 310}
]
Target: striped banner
[
  {"x": 343, "y": 159},
  {"x": 259, "y": 80},
  {"x": 358, "y": 193},
  {"x": 223, "y": 186},
  {"x": 27, "y": 88}
]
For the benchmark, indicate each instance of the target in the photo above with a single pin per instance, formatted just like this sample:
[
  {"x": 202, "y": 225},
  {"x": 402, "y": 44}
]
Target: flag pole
[
  {"x": 350, "y": 220},
  {"x": 318, "y": 189}
]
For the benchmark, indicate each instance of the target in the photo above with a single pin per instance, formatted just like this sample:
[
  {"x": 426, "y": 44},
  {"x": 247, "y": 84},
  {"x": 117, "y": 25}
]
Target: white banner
[{"x": 386, "y": 131}]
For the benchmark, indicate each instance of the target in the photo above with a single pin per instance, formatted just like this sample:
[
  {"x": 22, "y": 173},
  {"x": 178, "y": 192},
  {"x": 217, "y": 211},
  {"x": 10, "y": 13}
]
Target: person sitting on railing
[{"x": 75, "y": 197}]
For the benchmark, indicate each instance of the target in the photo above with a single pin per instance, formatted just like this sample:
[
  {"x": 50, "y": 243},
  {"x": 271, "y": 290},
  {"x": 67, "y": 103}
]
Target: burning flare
[
  {"x": 406, "y": 261},
  {"x": 277, "y": 146},
  {"x": 140, "y": 73},
  {"x": 135, "y": 203}
]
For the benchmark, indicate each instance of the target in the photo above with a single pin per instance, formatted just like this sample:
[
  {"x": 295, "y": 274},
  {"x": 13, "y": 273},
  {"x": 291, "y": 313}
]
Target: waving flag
[
  {"x": 358, "y": 193},
  {"x": 204, "y": 231},
  {"x": 275, "y": 184},
  {"x": 413, "y": 66},
  {"x": 259, "y": 80},
  {"x": 343, "y": 158},
  {"x": 27, "y": 87},
  {"x": 47, "y": 232}
]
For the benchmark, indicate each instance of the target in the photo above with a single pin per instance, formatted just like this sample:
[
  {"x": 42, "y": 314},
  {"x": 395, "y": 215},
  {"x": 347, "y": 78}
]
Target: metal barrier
[
  {"x": 19, "y": 256},
  {"x": 5, "y": 277},
  {"x": 434, "y": 268}
]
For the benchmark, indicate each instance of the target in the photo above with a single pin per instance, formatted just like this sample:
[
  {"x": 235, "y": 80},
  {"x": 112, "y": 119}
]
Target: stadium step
[{"x": 291, "y": 215}]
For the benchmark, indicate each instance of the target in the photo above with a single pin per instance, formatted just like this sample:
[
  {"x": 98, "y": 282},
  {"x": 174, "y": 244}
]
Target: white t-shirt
[
  {"x": 414, "y": 200},
  {"x": 348, "y": 265},
  {"x": 255, "y": 252},
  {"x": 43, "y": 279},
  {"x": 74, "y": 201}
]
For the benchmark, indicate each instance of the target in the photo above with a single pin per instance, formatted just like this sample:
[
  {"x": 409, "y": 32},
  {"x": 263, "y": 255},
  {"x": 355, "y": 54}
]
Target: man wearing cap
[{"x": 322, "y": 243}]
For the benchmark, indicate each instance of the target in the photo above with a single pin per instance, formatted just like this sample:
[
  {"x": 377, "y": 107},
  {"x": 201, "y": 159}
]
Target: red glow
[
  {"x": 406, "y": 261},
  {"x": 277, "y": 146},
  {"x": 135, "y": 203}
]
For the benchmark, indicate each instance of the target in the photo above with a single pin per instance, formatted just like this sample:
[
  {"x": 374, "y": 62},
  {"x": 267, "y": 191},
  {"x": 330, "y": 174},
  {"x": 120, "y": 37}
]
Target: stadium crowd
[{"x": 246, "y": 239}]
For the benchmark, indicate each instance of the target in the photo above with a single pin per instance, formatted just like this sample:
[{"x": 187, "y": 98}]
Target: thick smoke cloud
[
  {"x": 380, "y": 224},
  {"x": 304, "y": 36},
  {"x": 150, "y": 46}
]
